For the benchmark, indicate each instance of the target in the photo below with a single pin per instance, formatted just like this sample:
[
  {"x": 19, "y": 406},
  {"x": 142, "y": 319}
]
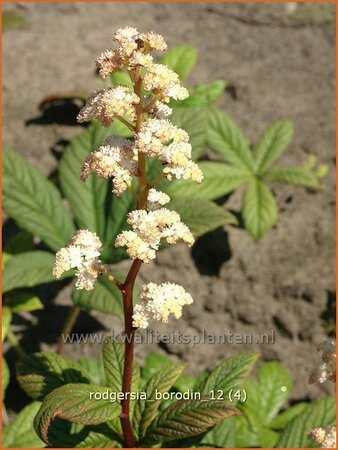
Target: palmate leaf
[
  {"x": 27, "y": 270},
  {"x": 181, "y": 59},
  {"x": 227, "y": 140},
  {"x": 39, "y": 373},
  {"x": 20, "y": 432},
  {"x": 34, "y": 202},
  {"x": 298, "y": 176},
  {"x": 21, "y": 242},
  {"x": 259, "y": 209},
  {"x": 161, "y": 381},
  {"x": 194, "y": 121},
  {"x": 73, "y": 402},
  {"x": 230, "y": 374},
  {"x": 5, "y": 377},
  {"x": 105, "y": 297},
  {"x": 201, "y": 215},
  {"x": 186, "y": 418},
  {"x": 272, "y": 144},
  {"x": 87, "y": 199},
  {"x": 317, "y": 414},
  {"x": 219, "y": 179},
  {"x": 265, "y": 397},
  {"x": 282, "y": 419},
  {"x": 6, "y": 321}
]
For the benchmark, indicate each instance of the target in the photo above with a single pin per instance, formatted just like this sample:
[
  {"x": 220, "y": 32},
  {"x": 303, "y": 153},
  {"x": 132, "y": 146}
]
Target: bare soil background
[{"x": 279, "y": 63}]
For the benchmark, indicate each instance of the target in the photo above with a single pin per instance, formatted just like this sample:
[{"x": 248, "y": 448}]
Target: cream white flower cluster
[
  {"x": 132, "y": 51},
  {"x": 107, "y": 104},
  {"x": 115, "y": 158},
  {"x": 326, "y": 371},
  {"x": 148, "y": 228},
  {"x": 158, "y": 302},
  {"x": 81, "y": 253},
  {"x": 170, "y": 144},
  {"x": 325, "y": 437}
]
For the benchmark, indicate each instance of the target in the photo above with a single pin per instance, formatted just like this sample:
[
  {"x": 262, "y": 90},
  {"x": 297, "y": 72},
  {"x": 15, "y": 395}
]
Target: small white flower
[
  {"x": 326, "y": 370},
  {"x": 164, "y": 82},
  {"x": 158, "y": 302},
  {"x": 106, "y": 104},
  {"x": 324, "y": 436},
  {"x": 115, "y": 158},
  {"x": 156, "y": 199},
  {"x": 81, "y": 253}
]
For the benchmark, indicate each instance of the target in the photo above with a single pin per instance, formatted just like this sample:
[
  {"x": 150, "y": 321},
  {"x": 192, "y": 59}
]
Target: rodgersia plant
[{"x": 144, "y": 111}]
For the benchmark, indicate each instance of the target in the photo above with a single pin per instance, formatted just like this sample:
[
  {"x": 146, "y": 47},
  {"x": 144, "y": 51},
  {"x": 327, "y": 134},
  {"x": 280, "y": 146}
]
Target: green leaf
[
  {"x": 282, "y": 419},
  {"x": 75, "y": 403},
  {"x": 113, "y": 360},
  {"x": 230, "y": 374},
  {"x": 34, "y": 202},
  {"x": 19, "y": 243},
  {"x": 200, "y": 215},
  {"x": 317, "y": 414},
  {"x": 94, "y": 368},
  {"x": 186, "y": 418},
  {"x": 22, "y": 301},
  {"x": 39, "y": 373},
  {"x": 194, "y": 122},
  {"x": 27, "y": 270},
  {"x": 153, "y": 363},
  {"x": 219, "y": 180},
  {"x": 161, "y": 381},
  {"x": 204, "y": 94},
  {"x": 87, "y": 199},
  {"x": 5, "y": 377},
  {"x": 181, "y": 59},
  {"x": 272, "y": 144},
  {"x": 105, "y": 297},
  {"x": 6, "y": 321},
  {"x": 259, "y": 209},
  {"x": 222, "y": 435},
  {"x": 267, "y": 394},
  {"x": 20, "y": 432},
  {"x": 227, "y": 140},
  {"x": 293, "y": 175},
  {"x": 121, "y": 77}
]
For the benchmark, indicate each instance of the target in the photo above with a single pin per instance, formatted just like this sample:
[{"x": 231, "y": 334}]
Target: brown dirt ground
[{"x": 279, "y": 65}]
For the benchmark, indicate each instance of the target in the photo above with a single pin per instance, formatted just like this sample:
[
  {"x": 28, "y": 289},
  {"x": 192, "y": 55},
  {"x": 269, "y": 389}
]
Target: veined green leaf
[
  {"x": 77, "y": 404},
  {"x": 200, "y": 215},
  {"x": 34, "y": 202},
  {"x": 204, "y": 94},
  {"x": 27, "y": 270},
  {"x": 5, "y": 377},
  {"x": 283, "y": 418},
  {"x": 161, "y": 381},
  {"x": 227, "y": 140},
  {"x": 6, "y": 321},
  {"x": 317, "y": 414},
  {"x": 259, "y": 209},
  {"x": 222, "y": 435},
  {"x": 94, "y": 368},
  {"x": 186, "y": 418},
  {"x": 267, "y": 394},
  {"x": 23, "y": 301},
  {"x": 87, "y": 199},
  {"x": 230, "y": 374},
  {"x": 181, "y": 59},
  {"x": 20, "y": 432},
  {"x": 219, "y": 179},
  {"x": 195, "y": 122},
  {"x": 39, "y": 373},
  {"x": 272, "y": 144},
  {"x": 293, "y": 175},
  {"x": 105, "y": 297}
]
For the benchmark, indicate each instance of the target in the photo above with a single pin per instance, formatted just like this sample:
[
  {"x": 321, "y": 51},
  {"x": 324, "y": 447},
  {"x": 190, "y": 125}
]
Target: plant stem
[
  {"x": 67, "y": 327},
  {"x": 128, "y": 286},
  {"x": 14, "y": 341}
]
